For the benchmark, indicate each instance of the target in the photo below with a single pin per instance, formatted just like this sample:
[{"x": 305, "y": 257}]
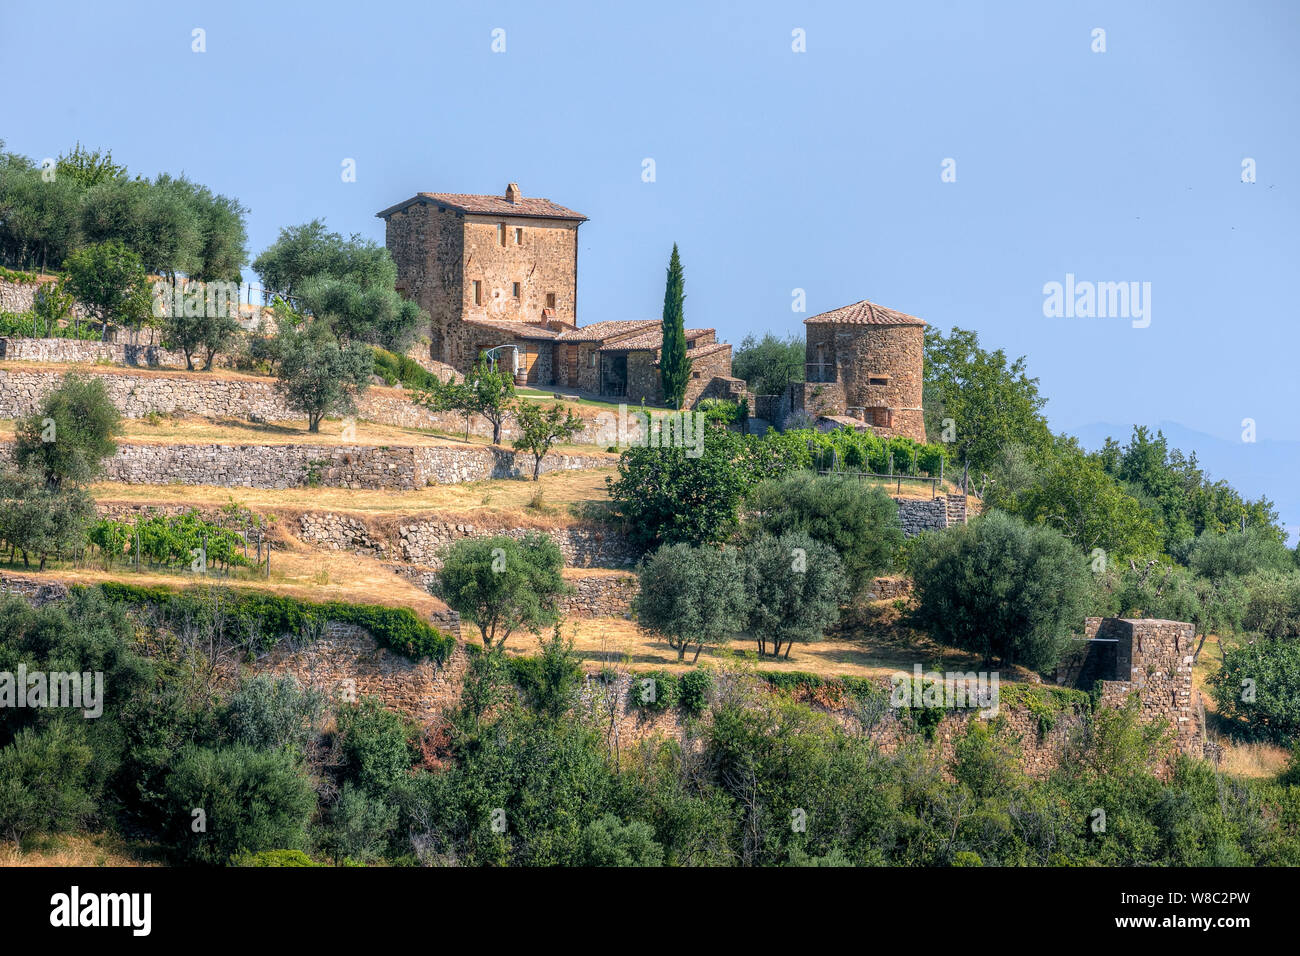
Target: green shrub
[
  {"x": 1259, "y": 685},
  {"x": 1001, "y": 588},
  {"x": 859, "y": 521},
  {"x": 359, "y": 826},
  {"x": 268, "y": 617},
  {"x": 611, "y": 842},
  {"x": 693, "y": 691},
  {"x": 269, "y": 712},
  {"x": 274, "y": 858},
  {"x": 654, "y": 691},
  {"x": 45, "y": 782},
  {"x": 251, "y": 800},
  {"x": 377, "y": 745}
]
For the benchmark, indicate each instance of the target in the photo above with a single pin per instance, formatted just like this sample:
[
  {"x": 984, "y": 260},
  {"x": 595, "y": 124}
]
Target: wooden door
[{"x": 571, "y": 365}]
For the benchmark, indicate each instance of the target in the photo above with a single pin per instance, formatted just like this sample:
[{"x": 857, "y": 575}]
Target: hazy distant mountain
[{"x": 1253, "y": 468}]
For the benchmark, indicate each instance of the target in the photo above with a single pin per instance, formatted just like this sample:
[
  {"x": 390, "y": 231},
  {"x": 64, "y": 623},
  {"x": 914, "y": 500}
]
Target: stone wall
[
  {"x": 922, "y": 514},
  {"x": 583, "y": 546},
  {"x": 138, "y": 394},
  {"x": 328, "y": 466},
  {"x": 76, "y": 350},
  {"x": 35, "y": 591},
  {"x": 1040, "y": 749},
  {"x": 21, "y": 296},
  {"x": 890, "y": 589},
  {"x": 347, "y": 664},
  {"x": 420, "y": 540},
  {"x": 600, "y": 595},
  {"x": 1151, "y": 658},
  {"x": 248, "y": 397}
]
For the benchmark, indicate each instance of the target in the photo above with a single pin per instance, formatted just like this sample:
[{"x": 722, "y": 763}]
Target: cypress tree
[{"x": 674, "y": 366}]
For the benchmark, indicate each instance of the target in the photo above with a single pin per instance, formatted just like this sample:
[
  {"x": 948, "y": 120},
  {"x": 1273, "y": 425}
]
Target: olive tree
[
  {"x": 502, "y": 585},
  {"x": 1001, "y": 588},
  {"x": 691, "y": 595},
  {"x": 794, "y": 587}
]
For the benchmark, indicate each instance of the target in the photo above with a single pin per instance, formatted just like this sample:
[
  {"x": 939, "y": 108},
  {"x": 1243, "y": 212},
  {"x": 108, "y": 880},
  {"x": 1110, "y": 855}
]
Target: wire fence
[{"x": 896, "y": 480}]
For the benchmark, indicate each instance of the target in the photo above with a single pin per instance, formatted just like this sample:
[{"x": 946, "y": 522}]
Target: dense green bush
[
  {"x": 377, "y": 745},
  {"x": 251, "y": 800},
  {"x": 360, "y": 826},
  {"x": 1259, "y": 685},
  {"x": 45, "y": 782},
  {"x": 274, "y": 858},
  {"x": 1272, "y": 604},
  {"x": 1002, "y": 589},
  {"x": 859, "y": 521},
  {"x": 266, "y": 617},
  {"x": 654, "y": 690},
  {"x": 397, "y": 369},
  {"x": 272, "y": 713},
  {"x": 611, "y": 842},
  {"x": 1238, "y": 553},
  {"x": 693, "y": 691}
]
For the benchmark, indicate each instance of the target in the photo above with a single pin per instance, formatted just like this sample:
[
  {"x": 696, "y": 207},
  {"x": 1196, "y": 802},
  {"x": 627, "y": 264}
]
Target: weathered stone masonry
[
  {"x": 138, "y": 395},
  {"x": 328, "y": 466},
  {"x": 1147, "y": 657}
]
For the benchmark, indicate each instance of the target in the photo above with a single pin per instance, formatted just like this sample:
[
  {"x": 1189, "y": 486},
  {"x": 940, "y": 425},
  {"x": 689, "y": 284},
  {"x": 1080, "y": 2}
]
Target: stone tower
[
  {"x": 864, "y": 366},
  {"x": 507, "y": 258}
]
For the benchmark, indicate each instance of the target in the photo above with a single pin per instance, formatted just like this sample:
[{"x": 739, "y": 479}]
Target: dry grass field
[
  {"x": 77, "y": 849},
  {"x": 555, "y": 498},
  {"x": 193, "y": 430}
]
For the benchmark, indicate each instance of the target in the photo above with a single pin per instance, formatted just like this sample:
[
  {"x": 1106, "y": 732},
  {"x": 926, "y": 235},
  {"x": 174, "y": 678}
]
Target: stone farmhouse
[{"x": 501, "y": 273}]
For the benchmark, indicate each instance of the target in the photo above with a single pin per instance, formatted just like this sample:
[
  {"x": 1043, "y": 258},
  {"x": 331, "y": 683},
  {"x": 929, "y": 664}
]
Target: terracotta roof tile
[
  {"x": 865, "y": 313},
  {"x": 651, "y": 338},
  {"x": 520, "y": 330},
  {"x": 527, "y": 206},
  {"x": 647, "y": 341},
  {"x": 598, "y": 331},
  {"x": 704, "y": 350}
]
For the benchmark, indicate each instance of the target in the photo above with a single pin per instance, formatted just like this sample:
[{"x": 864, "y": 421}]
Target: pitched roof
[
  {"x": 704, "y": 350},
  {"x": 652, "y": 338},
  {"x": 527, "y": 206},
  {"x": 599, "y": 331},
  {"x": 865, "y": 313},
  {"x": 520, "y": 330}
]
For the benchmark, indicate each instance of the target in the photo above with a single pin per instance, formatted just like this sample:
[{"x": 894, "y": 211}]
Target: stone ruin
[{"x": 1149, "y": 657}]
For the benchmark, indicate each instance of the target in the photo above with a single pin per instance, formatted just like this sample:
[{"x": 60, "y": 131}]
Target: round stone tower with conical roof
[{"x": 864, "y": 367}]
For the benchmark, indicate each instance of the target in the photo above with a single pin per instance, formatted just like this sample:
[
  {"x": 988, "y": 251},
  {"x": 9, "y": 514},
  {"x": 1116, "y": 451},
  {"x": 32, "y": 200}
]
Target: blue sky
[{"x": 775, "y": 170}]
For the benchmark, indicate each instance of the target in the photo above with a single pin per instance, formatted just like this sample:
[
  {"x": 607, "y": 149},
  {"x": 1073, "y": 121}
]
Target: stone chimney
[{"x": 512, "y": 193}]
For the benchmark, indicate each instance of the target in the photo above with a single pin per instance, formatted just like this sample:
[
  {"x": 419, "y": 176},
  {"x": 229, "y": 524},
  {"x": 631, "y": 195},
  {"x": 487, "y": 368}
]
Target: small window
[
  {"x": 550, "y": 300},
  {"x": 501, "y": 231},
  {"x": 591, "y": 359},
  {"x": 519, "y": 235},
  {"x": 478, "y": 292},
  {"x": 516, "y": 289},
  {"x": 877, "y": 379}
]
